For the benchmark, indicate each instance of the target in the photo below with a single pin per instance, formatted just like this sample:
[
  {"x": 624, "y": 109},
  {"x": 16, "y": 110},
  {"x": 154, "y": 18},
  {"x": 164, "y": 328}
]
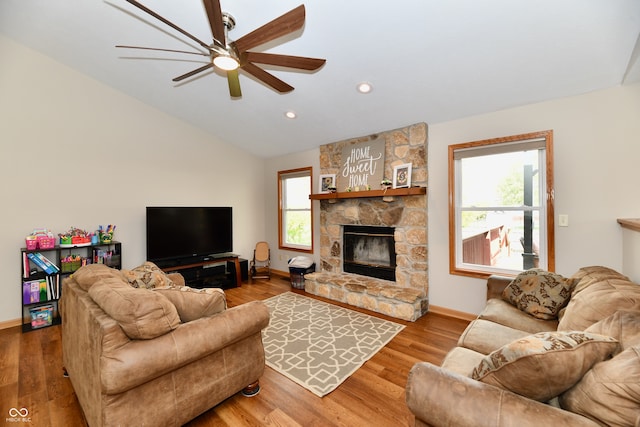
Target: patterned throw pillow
[
  {"x": 193, "y": 303},
  {"x": 539, "y": 293},
  {"x": 543, "y": 365},
  {"x": 147, "y": 276}
]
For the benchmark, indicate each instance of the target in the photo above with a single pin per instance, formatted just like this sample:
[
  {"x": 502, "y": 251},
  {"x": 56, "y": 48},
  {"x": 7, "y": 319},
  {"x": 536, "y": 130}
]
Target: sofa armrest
[
  {"x": 140, "y": 361},
  {"x": 496, "y": 284},
  {"x": 439, "y": 397}
]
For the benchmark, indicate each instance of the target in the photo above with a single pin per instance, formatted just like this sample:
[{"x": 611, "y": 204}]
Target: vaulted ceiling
[{"x": 428, "y": 60}]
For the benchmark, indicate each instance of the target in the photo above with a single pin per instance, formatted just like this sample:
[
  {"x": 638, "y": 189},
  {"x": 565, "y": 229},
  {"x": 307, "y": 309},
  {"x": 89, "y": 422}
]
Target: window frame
[
  {"x": 282, "y": 175},
  {"x": 459, "y": 268}
]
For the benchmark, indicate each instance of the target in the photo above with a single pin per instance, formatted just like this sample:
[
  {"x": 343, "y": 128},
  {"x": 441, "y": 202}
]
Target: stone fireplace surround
[{"x": 405, "y": 298}]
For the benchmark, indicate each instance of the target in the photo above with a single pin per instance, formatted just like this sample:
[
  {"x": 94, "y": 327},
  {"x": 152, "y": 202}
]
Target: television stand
[{"x": 208, "y": 262}]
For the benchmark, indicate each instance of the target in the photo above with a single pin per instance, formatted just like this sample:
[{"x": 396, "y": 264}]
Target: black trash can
[{"x": 297, "y": 275}]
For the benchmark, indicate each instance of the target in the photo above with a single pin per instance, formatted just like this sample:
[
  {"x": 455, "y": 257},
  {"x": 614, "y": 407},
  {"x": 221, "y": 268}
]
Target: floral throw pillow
[
  {"x": 543, "y": 365},
  {"x": 539, "y": 293},
  {"x": 147, "y": 276}
]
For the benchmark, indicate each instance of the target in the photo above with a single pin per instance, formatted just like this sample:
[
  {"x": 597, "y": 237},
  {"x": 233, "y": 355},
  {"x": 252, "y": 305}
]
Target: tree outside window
[
  {"x": 295, "y": 219},
  {"x": 501, "y": 205}
]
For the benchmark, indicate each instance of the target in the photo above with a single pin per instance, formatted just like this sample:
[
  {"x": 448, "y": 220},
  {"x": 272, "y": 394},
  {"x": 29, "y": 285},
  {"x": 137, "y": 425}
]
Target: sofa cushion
[
  {"x": 141, "y": 313},
  {"x": 610, "y": 392},
  {"x": 598, "y": 301},
  {"x": 484, "y": 336},
  {"x": 588, "y": 275},
  {"x": 462, "y": 361},
  {"x": 193, "y": 303},
  {"x": 539, "y": 293},
  {"x": 624, "y": 326},
  {"x": 147, "y": 276},
  {"x": 89, "y": 274},
  {"x": 543, "y": 365},
  {"x": 502, "y": 312}
]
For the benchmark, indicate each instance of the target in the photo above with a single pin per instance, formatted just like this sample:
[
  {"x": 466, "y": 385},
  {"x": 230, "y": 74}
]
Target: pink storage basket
[
  {"x": 32, "y": 244},
  {"x": 46, "y": 242}
]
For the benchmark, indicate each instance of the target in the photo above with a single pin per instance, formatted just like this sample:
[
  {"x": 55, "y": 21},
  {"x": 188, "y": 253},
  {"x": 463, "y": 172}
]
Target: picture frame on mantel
[
  {"x": 402, "y": 176},
  {"x": 326, "y": 182}
]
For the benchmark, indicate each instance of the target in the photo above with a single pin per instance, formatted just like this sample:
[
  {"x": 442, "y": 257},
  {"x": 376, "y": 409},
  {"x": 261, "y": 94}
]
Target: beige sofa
[
  {"x": 142, "y": 349},
  {"x": 576, "y": 364}
]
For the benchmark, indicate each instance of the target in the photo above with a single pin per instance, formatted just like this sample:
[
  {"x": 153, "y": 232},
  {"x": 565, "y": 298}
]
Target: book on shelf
[
  {"x": 26, "y": 293},
  {"x": 53, "y": 286},
  {"x": 31, "y": 291},
  {"x": 41, "y": 290},
  {"x": 47, "y": 262},
  {"x": 26, "y": 271},
  {"x": 43, "y": 263}
]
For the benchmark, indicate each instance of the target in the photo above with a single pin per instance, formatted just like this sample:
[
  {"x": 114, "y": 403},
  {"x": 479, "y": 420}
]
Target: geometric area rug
[{"x": 319, "y": 345}]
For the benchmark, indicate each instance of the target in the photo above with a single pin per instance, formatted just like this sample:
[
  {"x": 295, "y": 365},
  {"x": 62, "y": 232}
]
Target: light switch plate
[{"x": 563, "y": 220}]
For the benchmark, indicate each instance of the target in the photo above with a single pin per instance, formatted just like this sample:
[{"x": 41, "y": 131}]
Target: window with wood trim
[
  {"x": 295, "y": 216},
  {"x": 501, "y": 216}
]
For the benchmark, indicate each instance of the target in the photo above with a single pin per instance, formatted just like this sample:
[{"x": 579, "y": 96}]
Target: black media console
[{"x": 218, "y": 271}]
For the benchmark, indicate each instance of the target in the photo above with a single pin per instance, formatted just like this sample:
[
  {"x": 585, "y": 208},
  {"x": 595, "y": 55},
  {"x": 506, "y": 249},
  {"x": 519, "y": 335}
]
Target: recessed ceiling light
[
  {"x": 290, "y": 115},
  {"x": 364, "y": 87}
]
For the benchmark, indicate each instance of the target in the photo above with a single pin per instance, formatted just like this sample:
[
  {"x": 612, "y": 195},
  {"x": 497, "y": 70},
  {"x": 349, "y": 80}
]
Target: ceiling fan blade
[
  {"x": 214, "y": 14},
  {"x": 267, "y": 78},
  {"x": 163, "y": 50},
  {"x": 169, "y": 23},
  {"x": 299, "y": 62},
  {"x": 285, "y": 24},
  {"x": 193, "y": 73},
  {"x": 234, "y": 83}
]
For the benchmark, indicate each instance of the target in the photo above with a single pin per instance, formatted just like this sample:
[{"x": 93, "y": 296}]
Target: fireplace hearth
[{"x": 369, "y": 251}]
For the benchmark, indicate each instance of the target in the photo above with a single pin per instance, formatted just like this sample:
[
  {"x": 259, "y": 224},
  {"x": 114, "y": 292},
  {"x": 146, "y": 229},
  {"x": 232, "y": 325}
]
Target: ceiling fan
[{"x": 230, "y": 56}]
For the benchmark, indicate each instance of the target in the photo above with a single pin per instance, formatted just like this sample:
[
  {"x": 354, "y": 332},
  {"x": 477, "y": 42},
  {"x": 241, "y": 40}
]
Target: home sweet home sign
[{"x": 362, "y": 166}]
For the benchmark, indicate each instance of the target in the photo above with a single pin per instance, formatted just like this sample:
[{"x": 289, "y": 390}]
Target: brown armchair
[{"x": 131, "y": 356}]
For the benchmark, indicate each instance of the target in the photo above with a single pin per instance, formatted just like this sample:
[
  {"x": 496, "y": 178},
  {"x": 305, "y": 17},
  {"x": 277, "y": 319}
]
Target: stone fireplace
[
  {"x": 404, "y": 293},
  {"x": 400, "y": 220},
  {"x": 406, "y": 214},
  {"x": 369, "y": 251}
]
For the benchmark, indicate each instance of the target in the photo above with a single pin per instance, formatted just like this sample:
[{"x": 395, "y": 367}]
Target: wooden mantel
[
  {"x": 630, "y": 223},
  {"x": 412, "y": 191}
]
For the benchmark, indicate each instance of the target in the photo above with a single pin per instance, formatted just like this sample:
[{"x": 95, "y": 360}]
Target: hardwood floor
[{"x": 31, "y": 377}]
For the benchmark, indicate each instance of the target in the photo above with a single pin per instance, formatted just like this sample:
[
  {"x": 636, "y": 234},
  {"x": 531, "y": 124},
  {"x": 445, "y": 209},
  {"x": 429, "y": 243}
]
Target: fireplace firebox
[{"x": 369, "y": 251}]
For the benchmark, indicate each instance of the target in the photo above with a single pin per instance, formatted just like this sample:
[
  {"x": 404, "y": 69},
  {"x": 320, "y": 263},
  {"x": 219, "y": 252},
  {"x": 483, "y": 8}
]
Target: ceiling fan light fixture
[
  {"x": 364, "y": 87},
  {"x": 226, "y": 62}
]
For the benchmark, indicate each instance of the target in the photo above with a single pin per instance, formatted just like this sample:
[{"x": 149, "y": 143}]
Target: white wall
[
  {"x": 596, "y": 152},
  {"x": 77, "y": 153},
  {"x": 631, "y": 254}
]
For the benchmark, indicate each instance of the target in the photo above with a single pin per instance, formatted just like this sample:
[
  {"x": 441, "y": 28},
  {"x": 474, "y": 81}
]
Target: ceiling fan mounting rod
[{"x": 229, "y": 23}]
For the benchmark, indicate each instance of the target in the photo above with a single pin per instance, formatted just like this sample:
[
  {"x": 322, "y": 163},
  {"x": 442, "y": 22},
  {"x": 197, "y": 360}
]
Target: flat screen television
[{"x": 182, "y": 234}]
